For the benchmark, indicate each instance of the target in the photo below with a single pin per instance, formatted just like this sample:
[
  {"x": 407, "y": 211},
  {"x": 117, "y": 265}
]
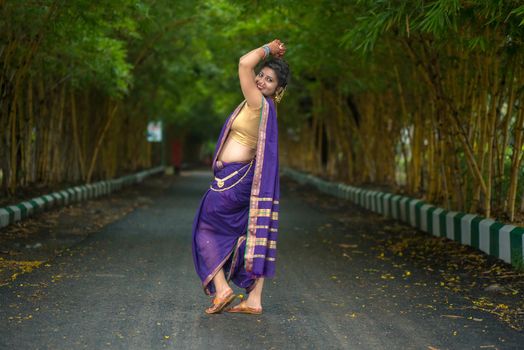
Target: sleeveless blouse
[{"x": 244, "y": 129}]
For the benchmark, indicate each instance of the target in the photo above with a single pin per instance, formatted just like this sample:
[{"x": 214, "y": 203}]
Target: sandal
[
  {"x": 220, "y": 303},
  {"x": 242, "y": 308}
]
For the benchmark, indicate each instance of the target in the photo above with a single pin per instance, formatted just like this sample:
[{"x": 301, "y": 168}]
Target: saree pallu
[
  {"x": 220, "y": 225},
  {"x": 236, "y": 225}
]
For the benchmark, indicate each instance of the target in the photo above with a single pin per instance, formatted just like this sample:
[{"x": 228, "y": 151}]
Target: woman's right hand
[{"x": 277, "y": 48}]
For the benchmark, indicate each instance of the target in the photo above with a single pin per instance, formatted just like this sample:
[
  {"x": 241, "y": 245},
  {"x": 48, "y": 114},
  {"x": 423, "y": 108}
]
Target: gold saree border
[
  {"x": 234, "y": 251},
  {"x": 255, "y": 187},
  {"x": 234, "y": 261}
]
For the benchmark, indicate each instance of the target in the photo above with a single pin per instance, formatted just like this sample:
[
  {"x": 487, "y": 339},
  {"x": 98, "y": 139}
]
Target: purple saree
[{"x": 236, "y": 225}]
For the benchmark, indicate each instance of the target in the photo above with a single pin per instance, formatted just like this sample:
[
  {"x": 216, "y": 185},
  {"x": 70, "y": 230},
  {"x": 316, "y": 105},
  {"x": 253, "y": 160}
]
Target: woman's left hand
[{"x": 277, "y": 48}]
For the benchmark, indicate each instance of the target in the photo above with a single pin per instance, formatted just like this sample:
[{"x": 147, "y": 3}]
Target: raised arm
[{"x": 246, "y": 70}]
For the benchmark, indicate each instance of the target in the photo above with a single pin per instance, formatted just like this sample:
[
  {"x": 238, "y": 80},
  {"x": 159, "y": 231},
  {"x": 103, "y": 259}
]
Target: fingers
[
  {"x": 281, "y": 50},
  {"x": 277, "y": 48}
]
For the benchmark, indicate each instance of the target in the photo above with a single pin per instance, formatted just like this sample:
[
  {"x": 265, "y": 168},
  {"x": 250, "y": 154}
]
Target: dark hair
[{"x": 281, "y": 69}]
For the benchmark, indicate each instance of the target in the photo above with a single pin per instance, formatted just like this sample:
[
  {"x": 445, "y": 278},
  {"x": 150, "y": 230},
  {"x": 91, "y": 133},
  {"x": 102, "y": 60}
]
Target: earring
[{"x": 279, "y": 95}]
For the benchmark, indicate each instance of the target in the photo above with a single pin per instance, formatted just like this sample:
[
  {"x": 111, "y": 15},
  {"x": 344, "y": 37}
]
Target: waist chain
[{"x": 220, "y": 182}]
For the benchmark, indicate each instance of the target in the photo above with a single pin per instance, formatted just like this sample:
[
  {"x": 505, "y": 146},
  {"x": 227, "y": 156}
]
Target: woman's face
[{"x": 267, "y": 81}]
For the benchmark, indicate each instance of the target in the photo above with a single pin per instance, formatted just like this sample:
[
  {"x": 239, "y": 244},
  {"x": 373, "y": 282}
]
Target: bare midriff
[{"x": 233, "y": 151}]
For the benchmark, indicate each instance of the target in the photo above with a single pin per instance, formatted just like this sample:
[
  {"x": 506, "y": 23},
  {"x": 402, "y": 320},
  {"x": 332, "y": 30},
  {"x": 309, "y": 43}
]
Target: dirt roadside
[{"x": 29, "y": 243}]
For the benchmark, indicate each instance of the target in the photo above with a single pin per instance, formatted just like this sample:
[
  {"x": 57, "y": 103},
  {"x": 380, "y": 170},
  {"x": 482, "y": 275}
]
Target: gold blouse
[{"x": 244, "y": 129}]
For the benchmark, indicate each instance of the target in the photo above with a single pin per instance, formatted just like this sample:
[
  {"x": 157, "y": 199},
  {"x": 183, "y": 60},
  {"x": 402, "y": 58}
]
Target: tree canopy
[{"x": 420, "y": 96}]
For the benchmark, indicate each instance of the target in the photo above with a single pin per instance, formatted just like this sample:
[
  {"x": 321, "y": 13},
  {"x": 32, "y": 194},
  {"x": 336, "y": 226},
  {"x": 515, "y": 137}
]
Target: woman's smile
[{"x": 266, "y": 81}]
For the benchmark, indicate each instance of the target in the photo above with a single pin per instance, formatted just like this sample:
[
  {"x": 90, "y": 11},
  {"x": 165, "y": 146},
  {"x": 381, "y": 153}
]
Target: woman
[{"x": 235, "y": 227}]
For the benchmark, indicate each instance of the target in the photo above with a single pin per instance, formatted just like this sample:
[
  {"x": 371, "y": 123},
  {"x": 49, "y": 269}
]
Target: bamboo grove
[
  {"x": 74, "y": 80},
  {"x": 432, "y": 107},
  {"x": 422, "y": 97}
]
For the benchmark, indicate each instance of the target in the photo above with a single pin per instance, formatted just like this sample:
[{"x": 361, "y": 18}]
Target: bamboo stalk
[
  {"x": 76, "y": 139},
  {"x": 506, "y": 125},
  {"x": 490, "y": 134},
  {"x": 12, "y": 146},
  {"x": 516, "y": 160},
  {"x": 29, "y": 156},
  {"x": 112, "y": 114},
  {"x": 443, "y": 101}
]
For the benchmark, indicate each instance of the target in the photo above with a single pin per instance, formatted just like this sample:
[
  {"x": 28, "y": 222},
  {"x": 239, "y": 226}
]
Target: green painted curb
[
  {"x": 497, "y": 239},
  {"x": 13, "y": 213}
]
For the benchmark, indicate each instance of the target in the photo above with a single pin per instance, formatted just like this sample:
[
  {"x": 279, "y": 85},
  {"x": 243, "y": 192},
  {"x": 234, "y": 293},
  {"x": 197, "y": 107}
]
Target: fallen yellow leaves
[
  {"x": 387, "y": 276},
  {"x": 371, "y": 270},
  {"x": 56, "y": 278},
  {"x": 20, "y": 318},
  {"x": 502, "y": 311},
  {"x": 427, "y": 306},
  {"x": 20, "y": 266},
  {"x": 502, "y": 306}
]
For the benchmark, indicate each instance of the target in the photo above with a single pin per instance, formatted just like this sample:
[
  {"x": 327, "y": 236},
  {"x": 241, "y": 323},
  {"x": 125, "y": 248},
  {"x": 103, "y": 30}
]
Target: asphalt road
[{"x": 132, "y": 285}]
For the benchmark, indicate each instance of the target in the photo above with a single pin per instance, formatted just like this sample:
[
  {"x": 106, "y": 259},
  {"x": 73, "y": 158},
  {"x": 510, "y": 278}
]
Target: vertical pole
[{"x": 162, "y": 153}]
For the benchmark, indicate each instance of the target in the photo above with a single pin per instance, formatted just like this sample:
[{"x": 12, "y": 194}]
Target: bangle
[{"x": 266, "y": 50}]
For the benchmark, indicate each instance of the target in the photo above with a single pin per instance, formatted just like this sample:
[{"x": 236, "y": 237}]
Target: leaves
[
  {"x": 519, "y": 12},
  {"x": 18, "y": 266}
]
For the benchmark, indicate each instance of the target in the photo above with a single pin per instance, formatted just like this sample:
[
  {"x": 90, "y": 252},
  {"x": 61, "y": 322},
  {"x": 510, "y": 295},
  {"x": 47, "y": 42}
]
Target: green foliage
[
  {"x": 177, "y": 61},
  {"x": 176, "y": 54},
  {"x": 82, "y": 41}
]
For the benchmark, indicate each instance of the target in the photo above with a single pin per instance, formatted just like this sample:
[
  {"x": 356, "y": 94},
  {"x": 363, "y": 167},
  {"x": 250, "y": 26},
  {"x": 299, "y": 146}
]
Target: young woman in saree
[{"x": 235, "y": 227}]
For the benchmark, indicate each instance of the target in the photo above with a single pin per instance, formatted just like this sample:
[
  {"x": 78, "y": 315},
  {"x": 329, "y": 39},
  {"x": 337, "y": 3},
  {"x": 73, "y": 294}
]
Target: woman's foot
[
  {"x": 253, "y": 303},
  {"x": 246, "y": 308},
  {"x": 223, "y": 292},
  {"x": 220, "y": 301}
]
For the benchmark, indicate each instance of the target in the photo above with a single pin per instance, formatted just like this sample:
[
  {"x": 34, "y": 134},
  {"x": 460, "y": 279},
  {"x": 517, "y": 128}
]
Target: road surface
[{"x": 346, "y": 279}]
